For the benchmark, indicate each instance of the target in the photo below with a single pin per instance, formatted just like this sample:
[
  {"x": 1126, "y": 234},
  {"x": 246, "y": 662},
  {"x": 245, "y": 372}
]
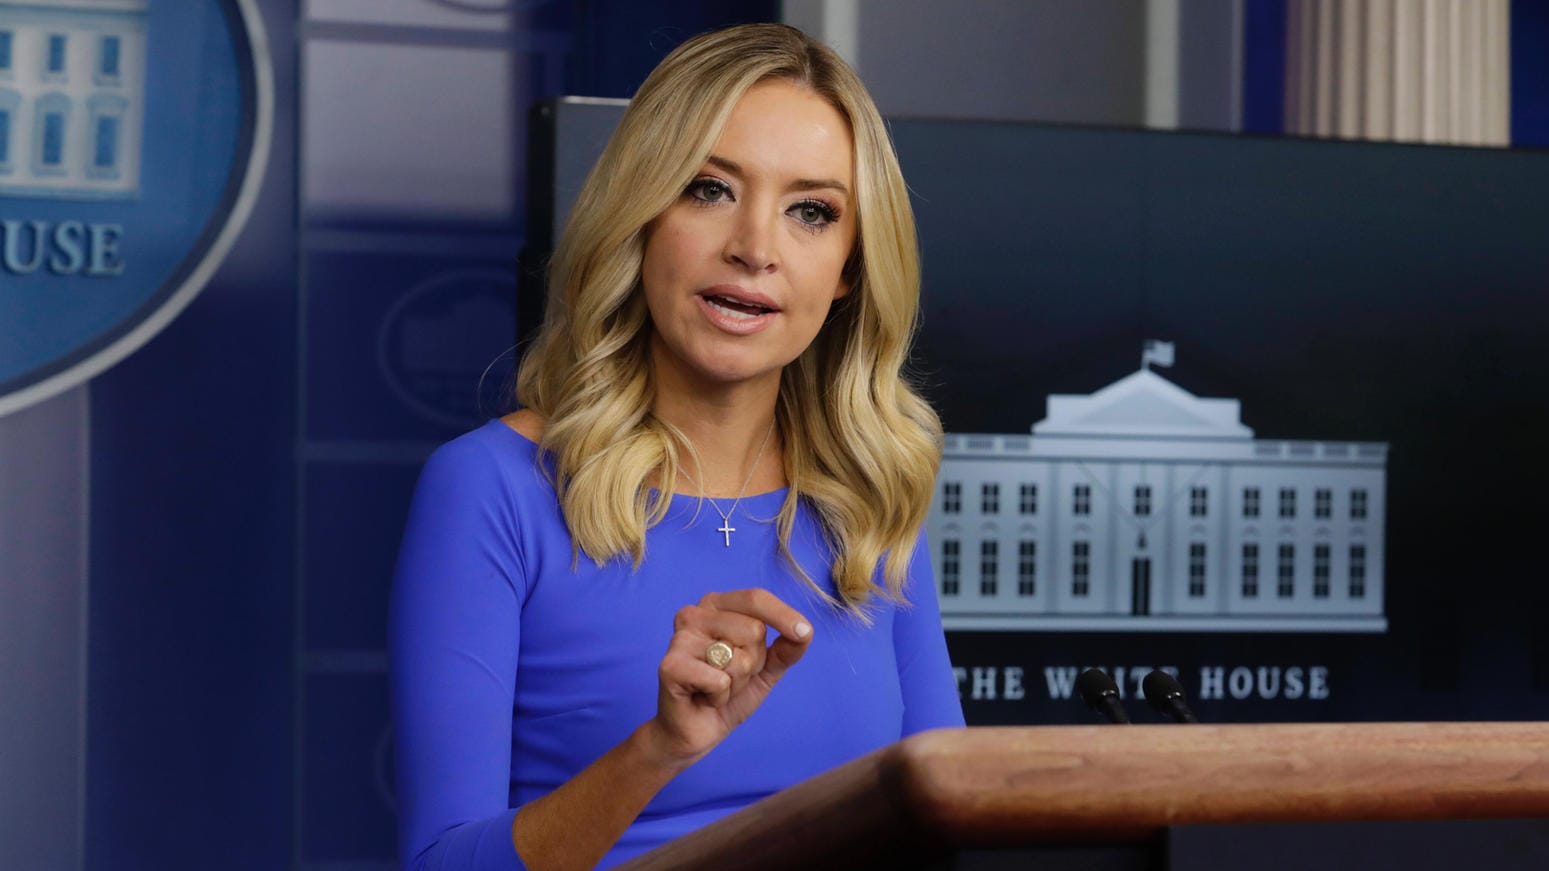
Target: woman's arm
[
  {"x": 454, "y": 632},
  {"x": 931, "y": 699}
]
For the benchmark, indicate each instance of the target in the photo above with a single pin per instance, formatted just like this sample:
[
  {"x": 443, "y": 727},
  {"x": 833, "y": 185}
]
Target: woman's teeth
[{"x": 740, "y": 311}]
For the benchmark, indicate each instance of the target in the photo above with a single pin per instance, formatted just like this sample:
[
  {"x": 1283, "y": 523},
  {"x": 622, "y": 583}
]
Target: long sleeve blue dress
[{"x": 515, "y": 665}]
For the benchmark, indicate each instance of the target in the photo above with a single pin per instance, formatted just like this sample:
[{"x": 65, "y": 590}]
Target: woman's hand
[
  {"x": 697, "y": 707},
  {"x": 699, "y": 704}
]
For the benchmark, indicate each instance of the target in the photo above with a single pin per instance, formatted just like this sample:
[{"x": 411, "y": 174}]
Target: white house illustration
[
  {"x": 72, "y": 95},
  {"x": 1144, "y": 508}
]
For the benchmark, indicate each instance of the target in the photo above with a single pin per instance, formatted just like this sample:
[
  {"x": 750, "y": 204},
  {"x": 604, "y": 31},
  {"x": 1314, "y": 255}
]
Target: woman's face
[{"x": 740, "y": 272}]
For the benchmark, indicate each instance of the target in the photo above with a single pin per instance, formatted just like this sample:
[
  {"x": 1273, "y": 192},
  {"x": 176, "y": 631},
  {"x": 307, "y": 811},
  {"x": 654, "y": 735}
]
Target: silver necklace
[{"x": 726, "y": 528}]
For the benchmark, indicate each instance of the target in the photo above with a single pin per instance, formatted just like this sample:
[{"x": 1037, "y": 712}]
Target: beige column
[{"x": 1407, "y": 70}]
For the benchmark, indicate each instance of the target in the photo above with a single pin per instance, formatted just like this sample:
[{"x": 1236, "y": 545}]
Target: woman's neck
[{"x": 731, "y": 428}]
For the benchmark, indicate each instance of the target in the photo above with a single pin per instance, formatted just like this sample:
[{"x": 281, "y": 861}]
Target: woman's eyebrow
[
  {"x": 730, "y": 166},
  {"x": 800, "y": 184},
  {"x": 810, "y": 184}
]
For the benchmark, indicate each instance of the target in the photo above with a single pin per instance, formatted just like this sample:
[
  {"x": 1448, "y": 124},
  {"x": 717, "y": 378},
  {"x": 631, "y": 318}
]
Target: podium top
[{"x": 988, "y": 787}]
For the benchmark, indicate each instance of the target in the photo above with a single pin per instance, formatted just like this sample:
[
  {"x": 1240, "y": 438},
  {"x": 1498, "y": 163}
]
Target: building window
[
  {"x": 1287, "y": 586},
  {"x": 105, "y": 155},
  {"x": 48, "y": 144},
  {"x": 951, "y": 498},
  {"x": 108, "y": 68},
  {"x": 1322, "y": 503},
  {"x": 1196, "y": 570},
  {"x": 5, "y": 51},
  {"x": 53, "y": 138},
  {"x": 989, "y": 499},
  {"x": 1358, "y": 504},
  {"x": 1287, "y": 502},
  {"x": 1357, "y": 571},
  {"x": 56, "y": 54},
  {"x": 1198, "y": 506},
  {"x": 107, "y": 122},
  {"x": 1080, "y": 568},
  {"x": 1250, "y": 571},
  {"x": 1027, "y": 568},
  {"x": 10, "y": 101},
  {"x": 1250, "y": 502},
  {"x": 989, "y": 552},
  {"x": 1081, "y": 500},
  {"x": 1320, "y": 571},
  {"x": 950, "y": 568},
  {"x": 1142, "y": 500},
  {"x": 1027, "y": 500}
]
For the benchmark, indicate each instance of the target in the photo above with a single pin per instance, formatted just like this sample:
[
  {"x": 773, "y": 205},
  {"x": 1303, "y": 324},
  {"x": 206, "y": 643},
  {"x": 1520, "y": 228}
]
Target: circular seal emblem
[
  {"x": 445, "y": 349},
  {"x": 133, "y": 139}
]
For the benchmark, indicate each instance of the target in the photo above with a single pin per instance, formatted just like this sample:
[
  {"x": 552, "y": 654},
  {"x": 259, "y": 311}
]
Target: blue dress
[{"x": 513, "y": 669}]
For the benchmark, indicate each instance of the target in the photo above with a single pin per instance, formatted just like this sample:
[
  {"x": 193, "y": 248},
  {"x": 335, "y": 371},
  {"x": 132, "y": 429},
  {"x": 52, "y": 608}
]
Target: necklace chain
[{"x": 726, "y": 528}]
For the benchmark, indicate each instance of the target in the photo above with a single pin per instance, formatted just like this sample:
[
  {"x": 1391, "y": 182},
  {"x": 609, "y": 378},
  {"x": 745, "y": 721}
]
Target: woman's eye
[
  {"x": 709, "y": 190},
  {"x": 814, "y": 213}
]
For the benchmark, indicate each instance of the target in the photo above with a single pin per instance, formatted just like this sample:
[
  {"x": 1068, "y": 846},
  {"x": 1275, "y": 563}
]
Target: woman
[{"x": 716, "y": 449}]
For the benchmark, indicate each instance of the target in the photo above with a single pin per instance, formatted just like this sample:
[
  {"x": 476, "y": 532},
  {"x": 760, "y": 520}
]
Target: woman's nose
[{"x": 751, "y": 243}]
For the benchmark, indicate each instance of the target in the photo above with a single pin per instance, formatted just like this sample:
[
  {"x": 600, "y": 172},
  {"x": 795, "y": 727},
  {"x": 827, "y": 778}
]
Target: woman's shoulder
[
  {"x": 501, "y": 444},
  {"x": 527, "y": 423}
]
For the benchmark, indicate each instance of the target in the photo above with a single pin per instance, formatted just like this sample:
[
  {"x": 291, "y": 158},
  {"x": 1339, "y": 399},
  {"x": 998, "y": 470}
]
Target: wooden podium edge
[{"x": 994, "y": 786}]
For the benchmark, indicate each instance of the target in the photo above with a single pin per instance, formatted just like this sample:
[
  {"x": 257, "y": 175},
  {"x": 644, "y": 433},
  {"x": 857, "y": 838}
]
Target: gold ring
[{"x": 718, "y": 654}]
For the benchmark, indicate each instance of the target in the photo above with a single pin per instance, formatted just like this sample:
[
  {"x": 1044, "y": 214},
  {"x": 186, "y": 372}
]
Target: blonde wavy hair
[{"x": 861, "y": 447}]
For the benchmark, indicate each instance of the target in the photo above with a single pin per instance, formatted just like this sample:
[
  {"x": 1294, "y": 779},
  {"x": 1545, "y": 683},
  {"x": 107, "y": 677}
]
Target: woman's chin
[
  {"x": 710, "y": 368},
  {"x": 732, "y": 377},
  {"x": 732, "y": 374}
]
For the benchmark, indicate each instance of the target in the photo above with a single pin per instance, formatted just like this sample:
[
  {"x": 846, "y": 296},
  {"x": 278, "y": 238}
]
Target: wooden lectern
[{"x": 996, "y": 797}]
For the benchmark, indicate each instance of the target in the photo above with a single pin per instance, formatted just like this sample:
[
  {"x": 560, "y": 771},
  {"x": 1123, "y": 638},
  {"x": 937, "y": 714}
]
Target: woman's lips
[{"x": 734, "y": 315}]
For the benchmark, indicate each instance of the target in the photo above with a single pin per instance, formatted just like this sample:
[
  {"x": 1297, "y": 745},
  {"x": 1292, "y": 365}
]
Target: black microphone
[
  {"x": 1165, "y": 695},
  {"x": 1101, "y": 694}
]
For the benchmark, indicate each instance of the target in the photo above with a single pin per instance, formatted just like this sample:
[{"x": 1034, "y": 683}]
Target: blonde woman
[{"x": 689, "y": 572}]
